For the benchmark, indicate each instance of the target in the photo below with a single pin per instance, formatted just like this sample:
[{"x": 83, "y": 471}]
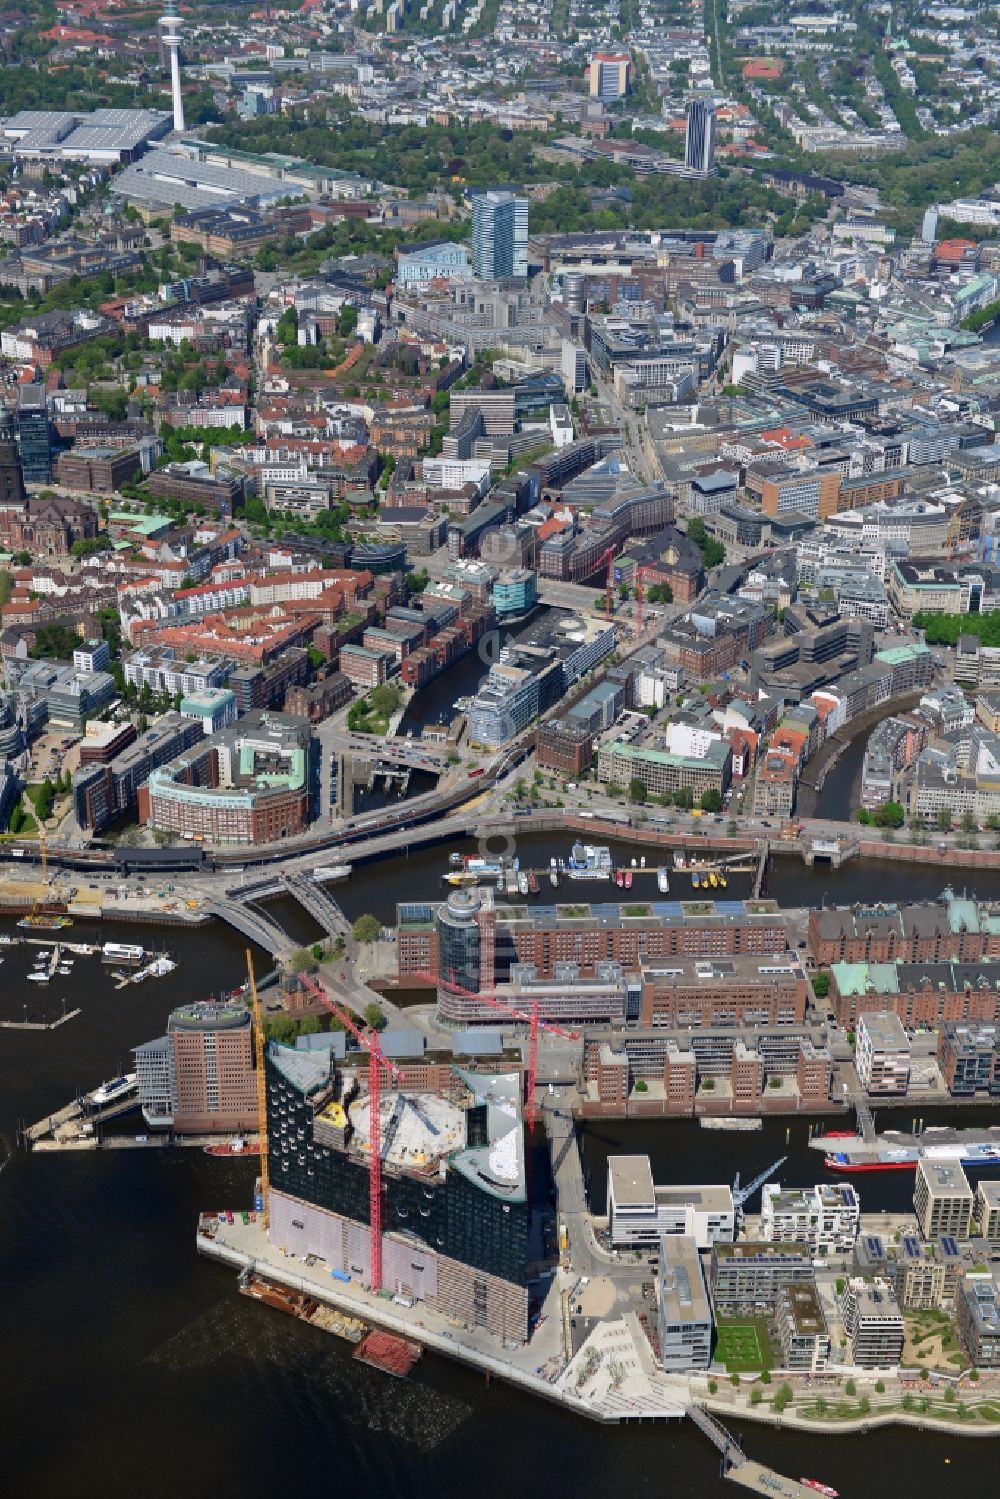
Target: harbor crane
[
  {"x": 378, "y": 1063},
  {"x": 528, "y": 1016},
  {"x": 260, "y": 1045},
  {"x": 742, "y": 1195}
]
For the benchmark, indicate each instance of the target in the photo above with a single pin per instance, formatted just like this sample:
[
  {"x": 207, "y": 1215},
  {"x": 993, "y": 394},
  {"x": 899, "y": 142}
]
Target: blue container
[{"x": 258, "y": 1203}]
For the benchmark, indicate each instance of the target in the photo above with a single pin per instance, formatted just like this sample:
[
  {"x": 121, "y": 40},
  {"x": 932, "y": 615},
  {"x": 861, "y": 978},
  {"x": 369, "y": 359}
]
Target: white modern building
[
  {"x": 827, "y": 1217},
  {"x": 641, "y": 1214}
]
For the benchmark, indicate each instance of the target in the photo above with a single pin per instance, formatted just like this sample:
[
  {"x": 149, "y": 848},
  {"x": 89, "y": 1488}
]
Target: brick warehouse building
[
  {"x": 455, "y": 1211},
  {"x": 926, "y": 933},
  {"x": 445, "y": 938}
]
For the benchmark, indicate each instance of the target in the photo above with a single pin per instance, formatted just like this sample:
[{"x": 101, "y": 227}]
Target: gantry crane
[
  {"x": 378, "y": 1063},
  {"x": 529, "y": 1017},
  {"x": 260, "y": 1045},
  {"x": 742, "y": 1195}
]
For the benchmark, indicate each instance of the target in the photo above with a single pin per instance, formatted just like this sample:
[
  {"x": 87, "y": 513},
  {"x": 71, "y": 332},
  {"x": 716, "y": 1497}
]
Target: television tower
[{"x": 170, "y": 26}]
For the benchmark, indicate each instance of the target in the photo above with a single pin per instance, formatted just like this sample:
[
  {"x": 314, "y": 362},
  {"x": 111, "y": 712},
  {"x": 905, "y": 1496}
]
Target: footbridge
[
  {"x": 252, "y": 923},
  {"x": 320, "y": 904}
]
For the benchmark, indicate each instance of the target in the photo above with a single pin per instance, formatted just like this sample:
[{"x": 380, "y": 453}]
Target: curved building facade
[{"x": 459, "y": 944}]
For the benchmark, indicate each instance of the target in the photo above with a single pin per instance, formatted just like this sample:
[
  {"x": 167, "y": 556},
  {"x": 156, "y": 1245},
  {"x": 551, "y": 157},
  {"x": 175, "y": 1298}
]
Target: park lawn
[{"x": 743, "y": 1345}]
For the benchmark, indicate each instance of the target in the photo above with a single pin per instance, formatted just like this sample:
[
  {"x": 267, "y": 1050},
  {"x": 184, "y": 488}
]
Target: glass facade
[
  {"x": 448, "y": 1214},
  {"x": 459, "y": 940}
]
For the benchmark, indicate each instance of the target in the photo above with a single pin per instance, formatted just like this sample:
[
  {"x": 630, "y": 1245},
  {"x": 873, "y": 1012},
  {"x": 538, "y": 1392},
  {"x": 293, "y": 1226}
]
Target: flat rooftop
[{"x": 630, "y": 1182}]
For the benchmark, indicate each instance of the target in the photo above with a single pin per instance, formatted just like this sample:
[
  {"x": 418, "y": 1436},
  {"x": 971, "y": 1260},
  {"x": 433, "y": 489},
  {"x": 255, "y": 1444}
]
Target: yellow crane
[{"x": 260, "y": 1044}]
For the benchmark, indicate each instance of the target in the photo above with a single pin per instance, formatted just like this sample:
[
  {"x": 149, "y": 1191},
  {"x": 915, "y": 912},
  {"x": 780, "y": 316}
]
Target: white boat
[
  {"x": 554, "y": 878},
  {"x": 6, "y": 940},
  {"x": 111, "y": 1092},
  {"x": 522, "y": 883},
  {"x": 327, "y": 873},
  {"x": 122, "y": 952},
  {"x": 39, "y": 976},
  {"x": 662, "y": 881}
]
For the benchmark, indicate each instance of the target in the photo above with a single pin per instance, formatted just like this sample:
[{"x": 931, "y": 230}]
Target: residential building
[
  {"x": 882, "y": 1054},
  {"x": 987, "y": 1211},
  {"x": 969, "y": 1059},
  {"x": 609, "y": 76},
  {"x": 802, "y": 1329},
  {"x": 826, "y": 1217},
  {"x": 979, "y": 1318},
  {"x": 751, "y": 1275},
  {"x": 942, "y": 1200},
  {"x": 874, "y": 1323}
]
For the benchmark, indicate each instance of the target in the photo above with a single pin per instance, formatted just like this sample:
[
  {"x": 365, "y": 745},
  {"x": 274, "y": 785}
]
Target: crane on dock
[
  {"x": 742, "y": 1195},
  {"x": 378, "y": 1063},
  {"x": 260, "y": 1045},
  {"x": 528, "y": 1016}
]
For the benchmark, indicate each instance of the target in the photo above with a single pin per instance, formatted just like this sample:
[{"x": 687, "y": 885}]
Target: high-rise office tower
[
  {"x": 33, "y": 434},
  {"x": 499, "y": 235},
  {"x": 171, "y": 25},
  {"x": 699, "y": 145}
]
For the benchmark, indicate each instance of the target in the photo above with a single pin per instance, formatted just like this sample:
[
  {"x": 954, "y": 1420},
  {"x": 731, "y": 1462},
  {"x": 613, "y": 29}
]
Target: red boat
[
  {"x": 237, "y": 1146},
  {"x": 821, "y": 1488},
  {"x": 840, "y": 1134},
  {"x": 619, "y": 878},
  {"x": 628, "y": 879}
]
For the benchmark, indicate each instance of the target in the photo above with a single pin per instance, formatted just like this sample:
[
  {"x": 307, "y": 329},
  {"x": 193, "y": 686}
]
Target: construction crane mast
[
  {"x": 742, "y": 1195},
  {"x": 259, "y": 1047},
  {"x": 378, "y": 1063},
  {"x": 529, "y": 1017}
]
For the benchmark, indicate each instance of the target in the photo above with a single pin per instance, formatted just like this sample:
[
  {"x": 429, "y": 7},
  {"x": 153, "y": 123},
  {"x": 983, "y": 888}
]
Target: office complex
[
  {"x": 685, "y": 1321},
  {"x": 979, "y": 1318},
  {"x": 499, "y": 235},
  {"x": 113, "y": 766},
  {"x": 33, "y": 438},
  {"x": 253, "y": 782},
  {"x": 455, "y": 1213},
  {"x": 640, "y": 1213},
  {"x": 699, "y": 142},
  {"x": 199, "y": 1077}
]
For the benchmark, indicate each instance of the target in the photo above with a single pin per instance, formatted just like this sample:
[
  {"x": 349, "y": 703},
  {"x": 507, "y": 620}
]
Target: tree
[
  {"x": 303, "y": 961},
  {"x": 944, "y": 820},
  {"x": 367, "y": 928},
  {"x": 636, "y": 790},
  {"x": 309, "y": 1025},
  {"x": 968, "y": 823},
  {"x": 821, "y": 985},
  {"x": 864, "y": 816},
  {"x": 317, "y": 951},
  {"x": 281, "y": 1028},
  {"x": 711, "y": 800},
  {"x": 890, "y": 815},
  {"x": 850, "y": 1388},
  {"x": 684, "y": 798},
  {"x": 374, "y": 1016}
]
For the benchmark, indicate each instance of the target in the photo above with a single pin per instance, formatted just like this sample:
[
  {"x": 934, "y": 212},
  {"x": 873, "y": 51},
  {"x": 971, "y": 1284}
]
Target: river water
[{"x": 131, "y": 1366}]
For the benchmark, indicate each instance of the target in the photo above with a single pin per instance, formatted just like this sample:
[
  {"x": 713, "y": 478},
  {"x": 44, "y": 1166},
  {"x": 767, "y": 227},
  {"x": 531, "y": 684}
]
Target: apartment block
[
  {"x": 942, "y": 1200},
  {"x": 826, "y": 1217},
  {"x": 882, "y": 1054},
  {"x": 802, "y": 1329},
  {"x": 749, "y": 1275},
  {"x": 874, "y": 1323}
]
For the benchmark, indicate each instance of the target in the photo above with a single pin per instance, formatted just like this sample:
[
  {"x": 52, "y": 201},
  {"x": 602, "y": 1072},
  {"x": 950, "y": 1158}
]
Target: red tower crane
[
  {"x": 529, "y": 1017},
  {"x": 378, "y": 1063}
]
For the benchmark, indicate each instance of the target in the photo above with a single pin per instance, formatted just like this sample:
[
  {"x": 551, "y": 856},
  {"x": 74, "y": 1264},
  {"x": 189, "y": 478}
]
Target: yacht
[{"x": 662, "y": 881}]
